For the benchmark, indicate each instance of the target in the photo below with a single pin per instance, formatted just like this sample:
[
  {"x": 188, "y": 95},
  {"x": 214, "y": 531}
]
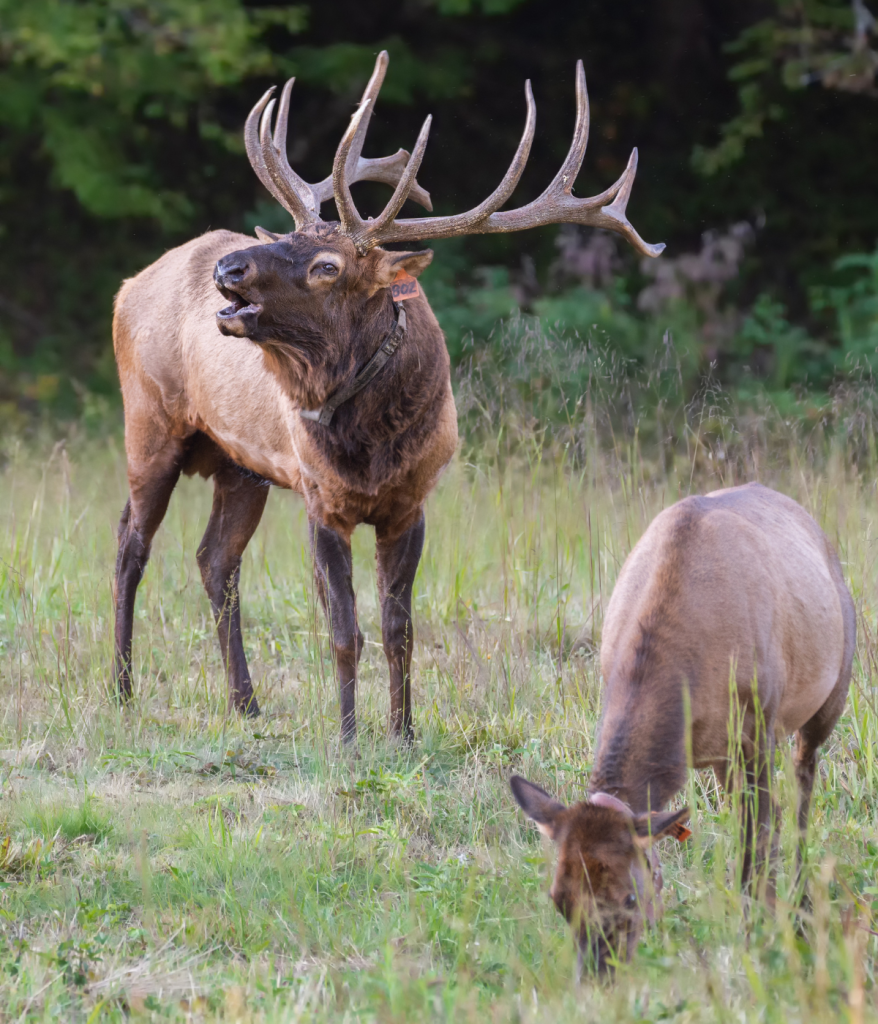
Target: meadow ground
[{"x": 171, "y": 862}]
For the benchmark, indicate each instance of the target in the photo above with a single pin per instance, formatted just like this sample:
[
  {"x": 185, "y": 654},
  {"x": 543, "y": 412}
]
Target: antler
[
  {"x": 557, "y": 205},
  {"x": 267, "y": 155}
]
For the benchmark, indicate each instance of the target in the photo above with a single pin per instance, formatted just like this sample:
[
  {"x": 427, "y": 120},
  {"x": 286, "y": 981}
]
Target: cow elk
[
  {"x": 313, "y": 378},
  {"x": 741, "y": 585}
]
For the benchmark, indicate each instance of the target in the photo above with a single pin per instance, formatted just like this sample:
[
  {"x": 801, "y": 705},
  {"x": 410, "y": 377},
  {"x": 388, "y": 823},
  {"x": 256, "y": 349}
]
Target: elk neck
[
  {"x": 641, "y": 755},
  {"x": 379, "y": 430},
  {"x": 327, "y": 357},
  {"x": 365, "y": 375}
]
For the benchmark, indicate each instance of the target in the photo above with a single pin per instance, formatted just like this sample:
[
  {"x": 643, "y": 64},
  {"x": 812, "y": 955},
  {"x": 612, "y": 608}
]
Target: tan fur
[
  {"x": 223, "y": 405},
  {"x": 180, "y": 375},
  {"x": 740, "y": 582},
  {"x": 730, "y": 613}
]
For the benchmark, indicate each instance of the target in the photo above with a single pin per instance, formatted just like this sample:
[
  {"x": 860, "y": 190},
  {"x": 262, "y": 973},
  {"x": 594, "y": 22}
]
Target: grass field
[{"x": 170, "y": 862}]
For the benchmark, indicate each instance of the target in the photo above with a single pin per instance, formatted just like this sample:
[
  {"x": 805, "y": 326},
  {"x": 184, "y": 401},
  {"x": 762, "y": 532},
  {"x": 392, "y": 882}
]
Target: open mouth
[
  {"x": 239, "y": 318},
  {"x": 238, "y": 306}
]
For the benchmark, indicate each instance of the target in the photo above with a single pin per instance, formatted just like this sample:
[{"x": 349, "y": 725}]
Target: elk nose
[{"x": 233, "y": 272}]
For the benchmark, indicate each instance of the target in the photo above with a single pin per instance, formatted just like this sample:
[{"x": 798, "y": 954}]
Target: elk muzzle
[
  {"x": 235, "y": 276},
  {"x": 605, "y": 943}
]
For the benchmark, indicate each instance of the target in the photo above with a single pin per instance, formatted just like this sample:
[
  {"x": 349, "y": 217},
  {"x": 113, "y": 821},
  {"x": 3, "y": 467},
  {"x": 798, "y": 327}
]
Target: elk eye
[
  {"x": 329, "y": 268},
  {"x": 631, "y": 901}
]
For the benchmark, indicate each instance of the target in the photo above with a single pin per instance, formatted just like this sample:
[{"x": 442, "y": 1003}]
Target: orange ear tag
[
  {"x": 404, "y": 287},
  {"x": 680, "y": 832}
]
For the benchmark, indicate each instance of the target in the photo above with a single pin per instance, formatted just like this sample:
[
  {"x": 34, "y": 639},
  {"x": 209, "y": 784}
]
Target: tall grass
[{"x": 171, "y": 862}]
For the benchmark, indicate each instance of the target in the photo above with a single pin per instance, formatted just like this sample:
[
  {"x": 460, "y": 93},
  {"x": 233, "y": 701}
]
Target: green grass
[
  {"x": 170, "y": 862},
  {"x": 80, "y": 818}
]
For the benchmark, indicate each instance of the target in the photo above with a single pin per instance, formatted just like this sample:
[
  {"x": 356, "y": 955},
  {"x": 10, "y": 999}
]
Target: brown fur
[
  {"x": 226, "y": 405},
  {"x": 739, "y": 581}
]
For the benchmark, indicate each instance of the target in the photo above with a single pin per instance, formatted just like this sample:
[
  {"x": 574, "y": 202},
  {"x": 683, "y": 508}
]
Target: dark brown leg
[
  {"x": 809, "y": 739},
  {"x": 397, "y": 565},
  {"x": 238, "y": 503},
  {"x": 758, "y": 811},
  {"x": 333, "y": 570},
  {"x": 151, "y": 484},
  {"x": 806, "y": 765}
]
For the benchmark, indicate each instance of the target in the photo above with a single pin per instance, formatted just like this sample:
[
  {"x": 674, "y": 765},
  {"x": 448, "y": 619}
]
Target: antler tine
[
  {"x": 461, "y": 223},
  {"x": 513, "y": 175},
  {"x": 387, "y": 169},
  {"x": 400, "y": 194},
  {"x": 557, "y": 205},
  {"x": 267, "y": 153},
  {"x": 350, "y": 218},
  {"x": 576, "y": 154},
  {"x": 271, "y": 167},
  {"x": 283, "y": 117},
  {"x": 383, "y": 168},
  {"x": 370, "y": 95},
  {"x": 597, "y": 211},
  {"x": 278, "y": 144},
  {"x": 625, "y": 184},
  {"x": 251, "y": 142},
  {"x": 613, "y": 217},
  {"x": 289, "y": 189}
]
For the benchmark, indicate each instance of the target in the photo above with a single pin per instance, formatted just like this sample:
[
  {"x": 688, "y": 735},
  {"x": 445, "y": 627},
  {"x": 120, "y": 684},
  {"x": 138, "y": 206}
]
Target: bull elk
[
  {"x": 316, "y": 380},
  {"x": 739, "y": 581}
]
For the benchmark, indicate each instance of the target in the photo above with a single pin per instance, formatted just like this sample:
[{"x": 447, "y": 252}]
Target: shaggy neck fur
[
  {"x": 320, "y": 361},
  {"x": 376, "y": 434}
]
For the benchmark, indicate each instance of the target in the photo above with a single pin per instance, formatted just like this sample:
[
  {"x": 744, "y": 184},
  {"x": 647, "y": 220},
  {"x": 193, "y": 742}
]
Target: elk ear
[
  {"x": 661, "y": 825},
  {"x": 537, "y": 804},
  {"x": 390, "y": 264},
  {"x": 264, "y": 235}
]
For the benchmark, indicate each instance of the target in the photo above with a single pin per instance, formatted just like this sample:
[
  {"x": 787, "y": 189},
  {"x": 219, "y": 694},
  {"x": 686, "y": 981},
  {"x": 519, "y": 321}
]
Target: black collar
[{"x": 391, "y": 343}]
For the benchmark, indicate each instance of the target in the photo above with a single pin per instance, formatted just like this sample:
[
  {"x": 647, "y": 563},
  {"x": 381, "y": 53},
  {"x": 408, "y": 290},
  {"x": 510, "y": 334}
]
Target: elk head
[
  {"x": 295, "y": 282},
  {"x": 298, "y": 287},
  {"x": 607, "y": 881}
]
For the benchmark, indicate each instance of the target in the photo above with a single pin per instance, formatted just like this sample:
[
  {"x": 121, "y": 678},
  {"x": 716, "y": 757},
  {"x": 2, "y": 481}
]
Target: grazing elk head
[
  {"x": 607, "y": 880},
  {"x": 293, "y": 288}
]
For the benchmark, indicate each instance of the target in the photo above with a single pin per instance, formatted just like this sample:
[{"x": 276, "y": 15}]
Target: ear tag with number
[
  {"x": 680, "y": 832},
  {"x": 404, "y": 287}
]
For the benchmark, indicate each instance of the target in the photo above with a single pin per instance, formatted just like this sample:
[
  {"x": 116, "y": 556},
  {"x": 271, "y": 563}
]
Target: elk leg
[
  {"x": 397, "y": 565},
  {"x": 809, "y": 739},
  {"x": 150, "y": 486},
  {"x": 805, "y": 766},
  {"x": 333, "y": 571},
  {"x": 238, "y": 503},
  {"x": 758, "y": 811}
]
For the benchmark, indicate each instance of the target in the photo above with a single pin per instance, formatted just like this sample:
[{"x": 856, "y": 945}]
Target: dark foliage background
[{"x": 120, "y": 136}]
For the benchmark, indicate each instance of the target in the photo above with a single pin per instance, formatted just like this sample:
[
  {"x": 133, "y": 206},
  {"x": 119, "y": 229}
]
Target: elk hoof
[
  {"x": 405, "y": 737},
  {"x": 350, "y": 751},
  {"x": 246, "y": 704},
  {"x": 122, "y": 690}
]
